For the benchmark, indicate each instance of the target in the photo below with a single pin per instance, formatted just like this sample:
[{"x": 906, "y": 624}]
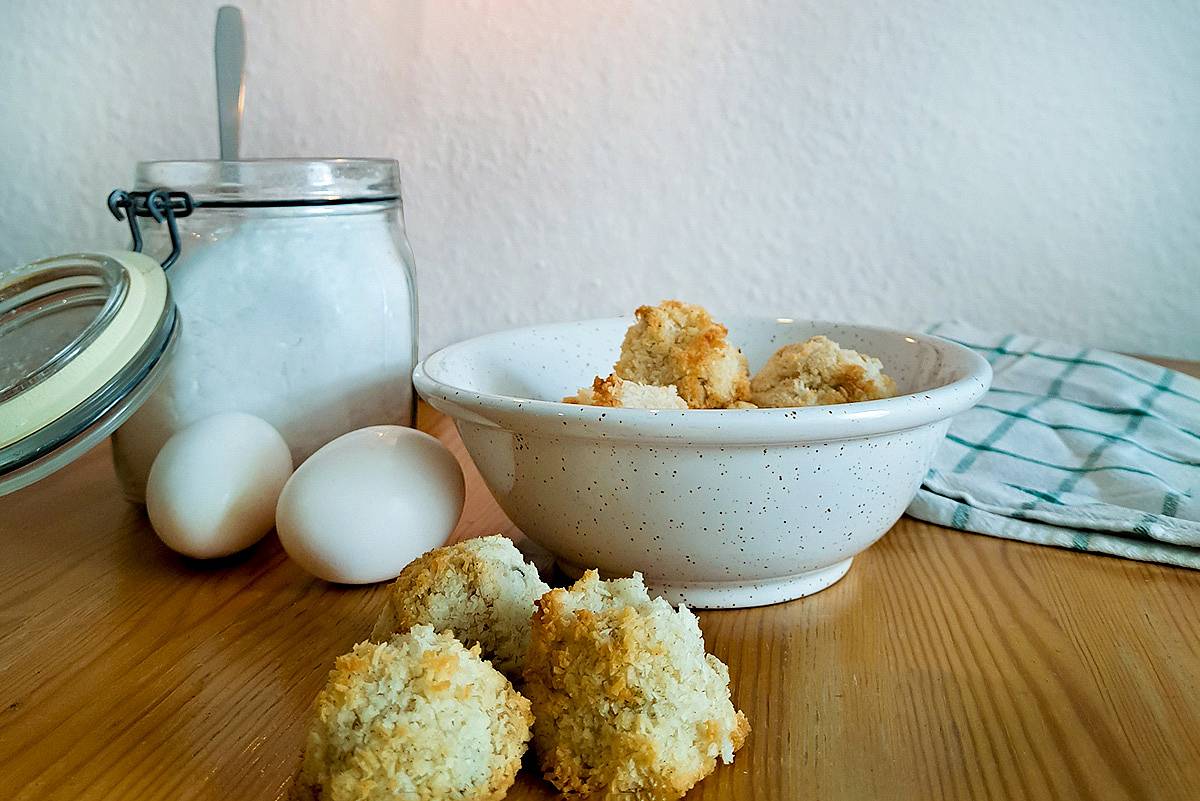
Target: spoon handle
[{"x": 229, "y": 49}]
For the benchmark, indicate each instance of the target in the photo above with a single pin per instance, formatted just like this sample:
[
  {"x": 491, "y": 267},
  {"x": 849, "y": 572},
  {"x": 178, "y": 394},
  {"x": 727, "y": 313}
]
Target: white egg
[
  {"x": 213, "y": 487},
  {"x": 365, "y": 505}
]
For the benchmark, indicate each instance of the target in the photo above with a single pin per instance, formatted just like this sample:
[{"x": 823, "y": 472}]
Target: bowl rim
[{"x": 706, "y": 426}]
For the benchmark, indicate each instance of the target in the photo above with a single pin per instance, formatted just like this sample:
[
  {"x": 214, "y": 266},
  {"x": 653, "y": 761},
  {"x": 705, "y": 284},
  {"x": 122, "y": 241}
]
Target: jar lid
[
  {"x": 269, "y": 182},
  {"x": 85, "y": 337}
]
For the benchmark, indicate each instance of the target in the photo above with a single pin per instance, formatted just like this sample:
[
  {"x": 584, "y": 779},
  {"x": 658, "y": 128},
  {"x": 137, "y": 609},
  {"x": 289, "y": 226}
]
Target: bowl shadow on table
[{"x": 770, "y": 654}]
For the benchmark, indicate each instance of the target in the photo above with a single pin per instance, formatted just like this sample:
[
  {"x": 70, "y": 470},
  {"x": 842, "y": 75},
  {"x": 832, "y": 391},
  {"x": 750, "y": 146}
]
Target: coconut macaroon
[
  {"x": 818, "y": 371},
  {"x": 481, "y": 589},
  {"x": 626, "y": 702},
  {"x": 420, "y": 718},
  {"x": 680, "y": 344},
  {"x": 621, "y": 394}
]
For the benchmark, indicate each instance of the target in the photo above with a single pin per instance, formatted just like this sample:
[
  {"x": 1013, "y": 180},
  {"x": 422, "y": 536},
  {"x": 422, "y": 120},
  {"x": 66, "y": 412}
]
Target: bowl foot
[{"x": 736, "y": 594}]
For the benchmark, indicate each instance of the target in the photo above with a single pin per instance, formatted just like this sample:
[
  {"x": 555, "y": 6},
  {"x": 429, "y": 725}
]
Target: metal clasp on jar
[{"x": 161, "y": 204}]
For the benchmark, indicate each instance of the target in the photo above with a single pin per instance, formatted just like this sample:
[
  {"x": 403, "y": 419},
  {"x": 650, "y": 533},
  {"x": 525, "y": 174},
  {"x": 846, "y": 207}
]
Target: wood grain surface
[{"x": 944, "y": 666}]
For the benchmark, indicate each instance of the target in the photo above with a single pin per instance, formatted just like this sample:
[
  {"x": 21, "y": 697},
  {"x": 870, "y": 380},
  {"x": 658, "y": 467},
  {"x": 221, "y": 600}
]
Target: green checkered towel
[{"x": 1073, "y": 447}]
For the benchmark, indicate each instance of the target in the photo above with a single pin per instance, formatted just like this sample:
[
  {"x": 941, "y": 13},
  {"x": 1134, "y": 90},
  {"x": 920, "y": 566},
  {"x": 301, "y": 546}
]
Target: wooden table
[{"x": 944, "y": 666}]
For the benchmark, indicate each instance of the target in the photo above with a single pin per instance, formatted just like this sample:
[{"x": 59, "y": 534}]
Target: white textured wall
[{"x": 1024, "y": 164}]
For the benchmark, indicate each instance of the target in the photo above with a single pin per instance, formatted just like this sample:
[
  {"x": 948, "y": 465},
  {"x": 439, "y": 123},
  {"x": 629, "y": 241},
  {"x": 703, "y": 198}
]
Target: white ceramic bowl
[{"x": 716, "y": 508}]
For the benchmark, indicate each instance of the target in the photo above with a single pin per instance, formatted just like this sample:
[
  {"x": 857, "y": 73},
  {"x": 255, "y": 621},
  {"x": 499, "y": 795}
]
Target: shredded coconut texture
[
  {"x": 481, "y": 589},
  {"x": 627, "y": 704},
  {"x": 417, "y": 718},
  {"x": 816, "y": 372},
  {"x": 618, "y": 393},
  {"x": 679, "y": 344}
]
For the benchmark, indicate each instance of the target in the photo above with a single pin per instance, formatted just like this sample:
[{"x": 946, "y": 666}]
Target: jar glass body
[{"x": 302, "y": 315}]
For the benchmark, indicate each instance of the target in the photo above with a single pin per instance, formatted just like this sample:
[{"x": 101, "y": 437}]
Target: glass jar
[{"x": 296, "y": 299}]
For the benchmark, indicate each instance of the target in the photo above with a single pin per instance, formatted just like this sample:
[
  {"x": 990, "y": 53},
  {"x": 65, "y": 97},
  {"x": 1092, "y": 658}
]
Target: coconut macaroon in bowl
[{"x": 737, "y": 500}]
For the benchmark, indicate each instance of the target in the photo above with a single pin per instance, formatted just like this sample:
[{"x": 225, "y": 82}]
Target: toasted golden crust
[
  {"x": 679, "y": 344},
  {"x": 627, "y": 705},
  {"x": 420, "y": 718},
  {"x": 818, "y": 371},
  {"x": 618, "y": 393},
  {"x": 482, "y": 589}
]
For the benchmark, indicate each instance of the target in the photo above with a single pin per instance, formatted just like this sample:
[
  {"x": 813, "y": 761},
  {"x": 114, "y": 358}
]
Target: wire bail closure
[
  {"x": 162, "y": 205},
  {"x": 165, "y": 205}
]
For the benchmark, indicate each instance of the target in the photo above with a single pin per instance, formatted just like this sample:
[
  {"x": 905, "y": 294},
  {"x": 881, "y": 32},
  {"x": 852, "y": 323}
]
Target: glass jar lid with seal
[{"x": 84, "y": 338}]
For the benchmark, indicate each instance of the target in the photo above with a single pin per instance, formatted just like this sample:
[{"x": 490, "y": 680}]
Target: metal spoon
[{"x": 229, "y": 49}]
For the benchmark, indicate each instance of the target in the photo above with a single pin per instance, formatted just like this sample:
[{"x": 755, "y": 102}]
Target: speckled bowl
[{"x": 716, "y": 508}]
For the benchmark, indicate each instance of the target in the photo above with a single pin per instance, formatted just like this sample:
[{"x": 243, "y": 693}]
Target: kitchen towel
[{"x": 1074, "y": 447}]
